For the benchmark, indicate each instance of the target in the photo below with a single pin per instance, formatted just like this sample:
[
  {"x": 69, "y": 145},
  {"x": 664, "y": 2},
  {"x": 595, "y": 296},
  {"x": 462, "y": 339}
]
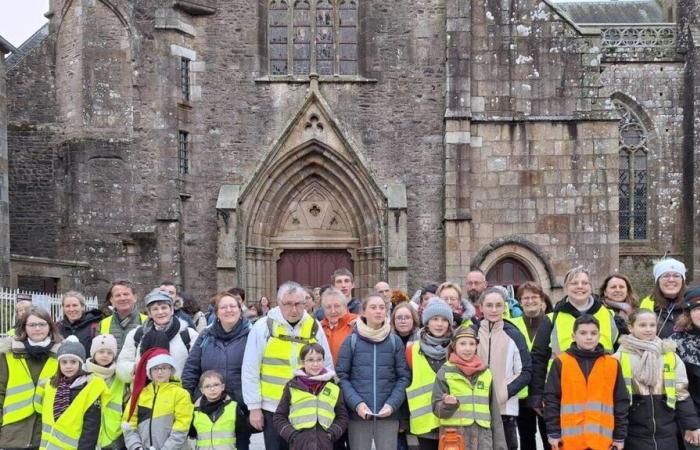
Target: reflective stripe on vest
[
  {"x": 307, "y": 409},
  {"x": 586, "y": 414},
  {"x": 276, "y": 368},
  {"x": 563, "y": 330},
  {"x": 64, "y": 433},
  {"x": 106, "y": 323},
  {"x": 474, "y": 405},
  {"x": 669, "y": 371},
  {"x": 219, "y": 435},
  {"x": 519, "y": 323},
  {"x": 420, "y": 394},
  {"x": 111, "y": 423},
  {"x": 19, "y": 394}
]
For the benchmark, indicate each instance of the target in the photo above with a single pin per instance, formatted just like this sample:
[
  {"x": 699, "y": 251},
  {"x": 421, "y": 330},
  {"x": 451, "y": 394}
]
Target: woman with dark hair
[
  {"x": 220, "y": 347},
  {"x": 617, "y": 294},
  {"x": 77, "y": 321},
  {"x": 405, "y": 322},
  {"x": 667, "y": 299},
  {"x": 191, "y": 308},
  {"x": 535, "y": 304},
  {"x": 25, "y": 360}
]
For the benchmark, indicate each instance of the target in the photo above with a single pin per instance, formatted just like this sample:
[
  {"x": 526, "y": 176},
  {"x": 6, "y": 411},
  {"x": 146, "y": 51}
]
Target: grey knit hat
[
  {"x": 437, "y": 307},
  {"x": 72, "y": 347}
]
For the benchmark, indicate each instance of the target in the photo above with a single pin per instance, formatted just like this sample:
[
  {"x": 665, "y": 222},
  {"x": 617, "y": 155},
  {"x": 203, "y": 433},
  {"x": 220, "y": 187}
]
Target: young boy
[
  {"x": 162, "y": 401},
  {"x": 585, "y": 398},
  {"x": 214, "y": 424}
]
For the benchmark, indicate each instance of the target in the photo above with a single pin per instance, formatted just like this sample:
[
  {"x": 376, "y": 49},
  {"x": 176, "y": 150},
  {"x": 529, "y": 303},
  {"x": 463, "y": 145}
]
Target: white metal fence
[{"x": 49, "y": 302}]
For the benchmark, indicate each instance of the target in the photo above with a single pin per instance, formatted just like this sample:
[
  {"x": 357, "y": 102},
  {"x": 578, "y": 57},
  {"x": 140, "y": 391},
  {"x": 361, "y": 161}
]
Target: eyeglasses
[
  {"x": 162, "y": 368},
  {"x": 669, "y": 275},
  {"x": 313, "y": 361},
  {"x": 295, "y": 305},
  {"x": 212, "y": 386},
  {"x": 37, "y": 325},
  {"x": 403, "y": 318}
]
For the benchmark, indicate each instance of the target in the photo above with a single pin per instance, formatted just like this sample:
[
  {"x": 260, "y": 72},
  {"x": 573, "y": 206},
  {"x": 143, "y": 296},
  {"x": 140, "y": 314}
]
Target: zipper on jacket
[
  {"x": 153, "y": 408},
  {"x": 653, "y": 421},
  {"x": 374, "y": 377},
  {"x": 489, "y": 355}
]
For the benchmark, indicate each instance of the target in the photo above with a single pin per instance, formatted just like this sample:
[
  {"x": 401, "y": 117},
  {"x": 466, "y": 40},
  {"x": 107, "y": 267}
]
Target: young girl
[
  {"x": 318, "y": 425},
  {"x": 70, "y": 402},
  {"x": 160, "y": 402},
  {"x": 102, "y": 364},
  {"x": 214, "y": 421},
  {"x": 466, "y": 375},
  {"x": 656, "y": 380}
]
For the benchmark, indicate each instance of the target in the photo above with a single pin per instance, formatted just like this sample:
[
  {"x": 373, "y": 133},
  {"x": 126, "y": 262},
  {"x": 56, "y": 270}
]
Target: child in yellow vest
[
  {"x": 102, "y": 364},
  {"x": 214, "y": 422},
  {"x": 306, "y": 426},
  {"x": 70, "y": 402},
  {"x": 463, "y": 395},
  {"x": 163, "y": 401}
]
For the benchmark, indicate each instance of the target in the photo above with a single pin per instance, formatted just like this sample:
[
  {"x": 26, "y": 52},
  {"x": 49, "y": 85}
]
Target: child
[
  {"x": 657, "y": 382},
  {"x": 214, "y": 414},
  {"x": 465, "y": 376},
  {"x": 318, "y": 425},
  {"x": 161, "y": 402},
  {"x": 70, "y": 402},
  {"x": 102, "y": 364},
  {"x": 583, "y": 406}
]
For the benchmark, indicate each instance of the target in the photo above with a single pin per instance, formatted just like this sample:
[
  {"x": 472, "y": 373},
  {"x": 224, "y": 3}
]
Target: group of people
[{"x": 485, "y": 370}]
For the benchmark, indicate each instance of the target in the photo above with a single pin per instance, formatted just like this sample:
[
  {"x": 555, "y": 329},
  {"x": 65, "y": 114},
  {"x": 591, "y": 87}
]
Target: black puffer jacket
[{"x": 85, "y": 328}]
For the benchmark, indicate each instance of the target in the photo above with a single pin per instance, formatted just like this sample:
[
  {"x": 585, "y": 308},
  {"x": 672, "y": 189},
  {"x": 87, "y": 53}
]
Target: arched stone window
[
  {"x": 312, "y": 36},
  {"x": 633, "y": 176}
]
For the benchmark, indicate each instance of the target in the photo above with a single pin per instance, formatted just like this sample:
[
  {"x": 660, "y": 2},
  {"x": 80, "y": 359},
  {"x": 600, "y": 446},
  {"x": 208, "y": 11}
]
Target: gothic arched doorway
[{"x": 508, "y": 272}]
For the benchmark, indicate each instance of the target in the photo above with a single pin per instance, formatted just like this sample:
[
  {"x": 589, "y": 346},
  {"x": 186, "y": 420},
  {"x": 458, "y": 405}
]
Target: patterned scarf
[{"x": 62, "y": 400}]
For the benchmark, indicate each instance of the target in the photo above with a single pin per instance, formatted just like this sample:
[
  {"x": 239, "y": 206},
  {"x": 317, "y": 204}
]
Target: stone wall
[{"x": 4, "y": 181}]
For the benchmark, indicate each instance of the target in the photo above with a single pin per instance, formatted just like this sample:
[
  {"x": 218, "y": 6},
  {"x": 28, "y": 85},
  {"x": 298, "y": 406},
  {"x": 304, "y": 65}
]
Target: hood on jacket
[
  {"x": 346, "y": 319},
  {"x": 469, "y": 309},
  {"x": 93, "y": 315}
]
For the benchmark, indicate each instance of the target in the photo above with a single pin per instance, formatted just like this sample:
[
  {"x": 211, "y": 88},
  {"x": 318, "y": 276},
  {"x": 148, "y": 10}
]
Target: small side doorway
[
  {"x": 508, "y": 272},
  {"x": 311, "y": 267}
]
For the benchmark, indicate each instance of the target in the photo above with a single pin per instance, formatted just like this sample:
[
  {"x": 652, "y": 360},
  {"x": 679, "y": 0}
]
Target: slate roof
[{"x": 27, "y": 46}]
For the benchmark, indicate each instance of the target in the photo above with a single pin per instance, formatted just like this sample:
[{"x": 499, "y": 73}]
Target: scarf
[
  {"x": 38, "y": 350},
  {"x": 210, "y": 407},
  {"x": 370, "y": 333},
  {"x": 468, "y": 366},
  {"x": 220, "y": 333},
  {"x": 100, "y": 371},
  {"x": 434, "y": 347},
  {"x": 647, "y": 370},
  {"x": 315, "y": 383},
  {"x": 62, "y": 399}
]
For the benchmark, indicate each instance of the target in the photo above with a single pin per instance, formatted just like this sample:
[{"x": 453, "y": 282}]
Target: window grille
[
  {"x": 185, "y": 79},
  {"x": 183, "y": 153}
]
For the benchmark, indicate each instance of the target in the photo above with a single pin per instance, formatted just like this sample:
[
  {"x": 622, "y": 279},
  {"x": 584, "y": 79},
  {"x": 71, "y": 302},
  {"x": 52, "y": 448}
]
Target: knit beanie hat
[
  {"x": 71, "y": 347},
  {"x": 466, "y": 331},
  {"x": 668, "y": 265},
  {"x": 141, "y": 374},
  {"x": 103, "y": 342},
  {"x": 691, "y": 299},
  {"x": 437, "y": 307}
]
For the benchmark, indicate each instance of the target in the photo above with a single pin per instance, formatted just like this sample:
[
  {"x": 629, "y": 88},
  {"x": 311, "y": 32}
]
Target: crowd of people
[{"x": 319, "y": 369}]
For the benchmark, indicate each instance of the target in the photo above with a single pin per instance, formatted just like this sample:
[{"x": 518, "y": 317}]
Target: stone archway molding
[{"x": 523, "y": 251}]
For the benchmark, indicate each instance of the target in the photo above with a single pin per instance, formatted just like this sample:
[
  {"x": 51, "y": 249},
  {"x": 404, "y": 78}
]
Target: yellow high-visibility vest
[
  {"x": 111, "y": 424},
  {"x": 307, "y": 409},
  {"x": 20, "y": 390},
  {"x": 519, "y": 323},
  {"x": 669, "y": 372},
  {"x": 106, "y": 323},
  {"x": 219, "y": 435},
  {"x": 474, "y": 404},
  {"x": 420, "y": 394},
  {"x": 563, "y": 330}
]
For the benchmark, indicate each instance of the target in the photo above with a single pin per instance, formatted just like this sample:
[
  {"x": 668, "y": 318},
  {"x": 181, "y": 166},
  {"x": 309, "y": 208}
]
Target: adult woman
[
  {"x": 617, "y": 295},
  {"x": 191, "y": 307},
  {"x": 425, "y": 357},
  {"x": 373, "y": 377},
  {"x": 77, "y": 321},
  {"x": 452, "y": 295},
  {"x": 555, "y": 333},
  {"x": 656, "y": 380},
  {"x": 405, "y": 322},
  {"x": 265, "y": 305},
  {"x": 24, "y": 360},
  {"x": 667, "y": 299},
  {"x": 535, "y": 304},
  {"x": 220, "y": 347}
]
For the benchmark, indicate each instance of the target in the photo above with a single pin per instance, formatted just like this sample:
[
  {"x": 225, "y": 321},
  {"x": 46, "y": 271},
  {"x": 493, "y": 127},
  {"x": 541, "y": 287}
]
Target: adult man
[
  {"x": 337, "y": 325},
  {"x": 124, "y": 317},
  {"x": 476, "y": 284},
  {"x": 271, "y": 355},
  {"x": 383, "y": 290},
  {"x": 23, "y": 303},
  {"x": 342, "y": 280},
  {"x": 170, "y": 288}
]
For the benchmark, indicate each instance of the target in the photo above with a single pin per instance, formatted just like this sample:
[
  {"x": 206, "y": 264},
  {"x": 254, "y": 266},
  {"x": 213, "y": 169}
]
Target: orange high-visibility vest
[{"x": 587, "y": 416}]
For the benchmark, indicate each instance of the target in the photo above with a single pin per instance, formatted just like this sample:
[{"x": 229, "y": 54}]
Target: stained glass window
[
  {"x": 278, "y": 21},
  {"x": 633, "y": 176}
]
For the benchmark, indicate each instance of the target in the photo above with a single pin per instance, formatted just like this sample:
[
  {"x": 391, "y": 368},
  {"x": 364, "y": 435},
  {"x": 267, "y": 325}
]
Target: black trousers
[
  {"x": 528, "y": 421},
  {"x": 273, "y": 441},
  {"x": 510, "y": 428}
]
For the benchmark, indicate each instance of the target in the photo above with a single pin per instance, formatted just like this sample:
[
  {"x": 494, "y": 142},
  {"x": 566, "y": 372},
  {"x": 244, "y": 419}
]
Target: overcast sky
[{"x": 21, "y": 18}]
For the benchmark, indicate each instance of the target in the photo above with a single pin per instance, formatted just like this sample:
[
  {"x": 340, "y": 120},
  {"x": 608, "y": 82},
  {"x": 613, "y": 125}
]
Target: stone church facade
[{"x": 220, "y": 143}]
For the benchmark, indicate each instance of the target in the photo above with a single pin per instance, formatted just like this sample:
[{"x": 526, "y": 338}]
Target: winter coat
[
  {"x": 688, "y": 348},
  {"x": 27, "y": 432},
  {"x": 161, "y": 419},
  {"x": 354, "y": 307},
  {"x": 541, "y": 351},
  {"x": 553, "y": 392},
  {"x": 336, "y": 335},
  {"x": 254, "y": 349},
  {"x": 315, "y": 438},
  {"x": 375, "y": 373},
  {"x": 130, "y": 353},
  {"x": 665, "y": 317},
  {"x": 503, "y": 349},
  {"x": 475, "y": 437},
  {"x": 85, "y": 328},
  {"x": 221, "y": 353}
]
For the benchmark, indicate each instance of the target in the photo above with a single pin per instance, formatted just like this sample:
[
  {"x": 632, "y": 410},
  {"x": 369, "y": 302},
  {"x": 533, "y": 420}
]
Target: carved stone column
[
  {"x": 227, "y": 226},
  {"x": 397, "y": 236}
]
